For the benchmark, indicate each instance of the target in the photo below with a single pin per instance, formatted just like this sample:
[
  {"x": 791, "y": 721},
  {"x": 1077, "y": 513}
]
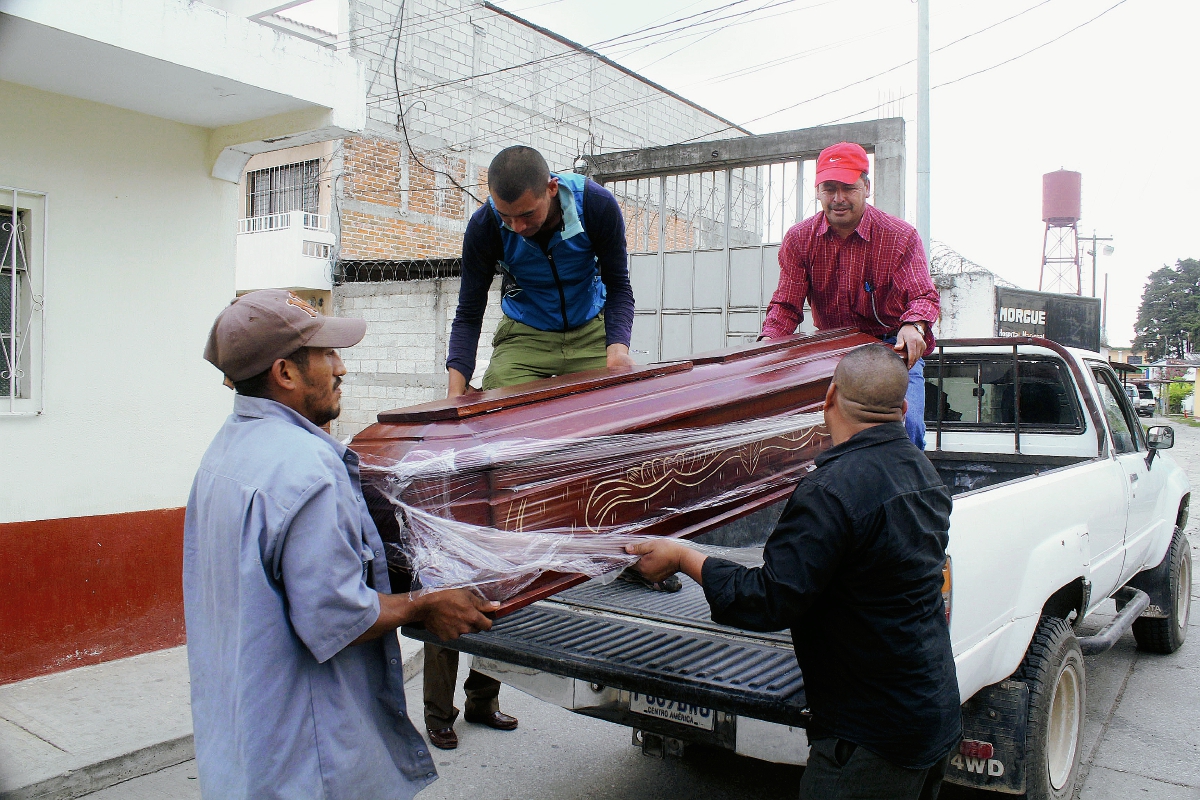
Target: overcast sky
[{"x": 1115, "y": 100}]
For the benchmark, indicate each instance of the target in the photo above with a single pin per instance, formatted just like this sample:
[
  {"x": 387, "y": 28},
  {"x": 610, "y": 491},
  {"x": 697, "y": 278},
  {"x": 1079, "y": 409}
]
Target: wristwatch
[{"x": 918, "y": 324}]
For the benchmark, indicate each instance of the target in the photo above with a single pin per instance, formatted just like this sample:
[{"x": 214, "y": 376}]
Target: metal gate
[{"x": 704, "y": 223}]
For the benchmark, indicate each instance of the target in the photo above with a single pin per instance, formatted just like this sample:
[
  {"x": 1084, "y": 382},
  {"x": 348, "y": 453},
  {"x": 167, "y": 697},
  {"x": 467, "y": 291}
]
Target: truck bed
[
  {"x": 969, "y": 472},
  {"x": 625, "y": 636}
]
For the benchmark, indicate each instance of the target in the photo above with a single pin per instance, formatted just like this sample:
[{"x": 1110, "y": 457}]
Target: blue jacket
[{"x": 559, "y": 289}]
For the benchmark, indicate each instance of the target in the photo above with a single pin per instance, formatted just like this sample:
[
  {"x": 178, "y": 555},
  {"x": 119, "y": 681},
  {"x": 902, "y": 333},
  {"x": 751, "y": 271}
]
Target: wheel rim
[
  {"x": 1063, "y": 735},
  {"x": 1183, "y": 591}
]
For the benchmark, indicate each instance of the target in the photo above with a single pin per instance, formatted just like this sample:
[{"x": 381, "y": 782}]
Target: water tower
[{"x": 1061, "y": 205}]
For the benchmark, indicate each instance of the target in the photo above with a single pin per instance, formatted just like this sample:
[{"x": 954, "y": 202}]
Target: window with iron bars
[
  {"x": 291, "y": 187},
  {"x": 22, "y": 226}
]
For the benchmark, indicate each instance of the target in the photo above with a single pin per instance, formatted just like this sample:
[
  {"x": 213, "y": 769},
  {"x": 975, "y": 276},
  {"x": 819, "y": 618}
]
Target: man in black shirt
[{"x": 854, "y": 568}]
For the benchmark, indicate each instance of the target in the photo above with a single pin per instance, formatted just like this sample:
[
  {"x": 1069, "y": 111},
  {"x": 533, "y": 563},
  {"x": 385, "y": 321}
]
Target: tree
[{"x": 1169, "y": 316}]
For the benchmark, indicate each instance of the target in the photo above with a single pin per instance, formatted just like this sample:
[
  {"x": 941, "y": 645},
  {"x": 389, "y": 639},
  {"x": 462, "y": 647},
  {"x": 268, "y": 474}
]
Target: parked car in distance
[{"x": 1142, "y": 399}]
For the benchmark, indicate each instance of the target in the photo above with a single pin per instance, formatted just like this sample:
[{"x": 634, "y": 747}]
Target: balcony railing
[
  {"x": 285, "y": 251},
  {"x": 274, "y": 222}
]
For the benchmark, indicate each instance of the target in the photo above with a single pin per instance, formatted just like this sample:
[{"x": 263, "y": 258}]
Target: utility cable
[
  {"x": 613, "y": 42},
  {"x": 872, "y": 77},
  {"x": 987, "y": 69},
  {"x": 400, "y": 112}
]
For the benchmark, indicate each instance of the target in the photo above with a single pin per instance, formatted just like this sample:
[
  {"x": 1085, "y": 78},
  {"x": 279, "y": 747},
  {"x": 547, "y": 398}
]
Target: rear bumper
[
  {"x": 739, "y": 676},
  {"x": 768, "y": 741}
]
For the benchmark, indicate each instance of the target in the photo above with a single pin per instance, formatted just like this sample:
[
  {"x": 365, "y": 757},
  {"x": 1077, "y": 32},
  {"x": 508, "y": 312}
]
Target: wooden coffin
[{"x": 767, "y": 379}]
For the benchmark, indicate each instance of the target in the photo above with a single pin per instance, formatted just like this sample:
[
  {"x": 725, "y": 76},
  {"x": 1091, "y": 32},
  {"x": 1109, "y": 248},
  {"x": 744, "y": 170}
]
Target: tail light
[
  {"x": 973, "y": 748},
  {"x": 947, "y": 587}
]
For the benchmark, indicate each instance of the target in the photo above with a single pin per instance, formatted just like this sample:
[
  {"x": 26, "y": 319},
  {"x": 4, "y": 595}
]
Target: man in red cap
[
  {"x": 861, "y": 268},
  {"x": 296, "y": 675}
]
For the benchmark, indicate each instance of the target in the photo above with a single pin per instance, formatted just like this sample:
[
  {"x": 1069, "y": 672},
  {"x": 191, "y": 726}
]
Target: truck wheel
[
  {"x": 1053, "y": 669},
  {"x": 1167, "y": 635}
]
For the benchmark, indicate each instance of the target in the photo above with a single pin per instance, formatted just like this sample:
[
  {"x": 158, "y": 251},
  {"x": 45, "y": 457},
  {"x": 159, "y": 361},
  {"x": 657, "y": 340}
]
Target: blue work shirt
[{"x": 280, "y": 565}]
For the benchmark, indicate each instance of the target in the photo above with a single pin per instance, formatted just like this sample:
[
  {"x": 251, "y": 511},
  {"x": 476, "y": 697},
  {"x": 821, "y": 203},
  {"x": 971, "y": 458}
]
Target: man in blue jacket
[
  {"x": 559, "y": 242},
  {"x": 558, "y": 239}
]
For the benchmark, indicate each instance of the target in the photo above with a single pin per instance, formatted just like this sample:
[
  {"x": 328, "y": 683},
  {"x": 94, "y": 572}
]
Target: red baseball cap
[{"x": 843, "y": 162}]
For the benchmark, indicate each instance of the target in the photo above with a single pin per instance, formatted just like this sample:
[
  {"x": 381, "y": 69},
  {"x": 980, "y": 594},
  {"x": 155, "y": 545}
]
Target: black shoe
[
  {"x": 496, "y": 719},
  {"x": 443, "y": 738}
]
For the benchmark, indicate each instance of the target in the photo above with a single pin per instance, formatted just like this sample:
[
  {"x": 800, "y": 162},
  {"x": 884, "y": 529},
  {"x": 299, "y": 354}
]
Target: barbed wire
[
  {"x": 945, "y": 260},
  {"x": 380, "y": 270}
]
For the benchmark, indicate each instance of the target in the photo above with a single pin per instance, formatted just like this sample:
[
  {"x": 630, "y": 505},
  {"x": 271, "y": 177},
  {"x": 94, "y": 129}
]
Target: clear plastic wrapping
[{"x": 495, "y": 517}]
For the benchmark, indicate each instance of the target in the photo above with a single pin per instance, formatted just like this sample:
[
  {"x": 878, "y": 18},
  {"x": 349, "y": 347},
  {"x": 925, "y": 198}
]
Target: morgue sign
[{"x": 1064, "y": 318}]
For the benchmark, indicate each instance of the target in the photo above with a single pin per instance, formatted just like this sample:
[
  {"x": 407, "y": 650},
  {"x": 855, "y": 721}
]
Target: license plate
[{"x": 672, "y": 711}]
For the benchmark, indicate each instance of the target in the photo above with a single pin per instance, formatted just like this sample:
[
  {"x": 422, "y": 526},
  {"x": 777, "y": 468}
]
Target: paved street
[{"x": 1142, "y": 737}]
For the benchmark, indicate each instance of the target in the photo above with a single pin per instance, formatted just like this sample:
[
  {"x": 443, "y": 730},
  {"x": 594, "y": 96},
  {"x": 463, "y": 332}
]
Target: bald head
[{"x": 871, "y": 384}]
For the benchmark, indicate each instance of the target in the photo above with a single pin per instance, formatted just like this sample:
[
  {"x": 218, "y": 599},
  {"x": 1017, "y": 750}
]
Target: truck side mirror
[{"x": 1158, "y": 437}]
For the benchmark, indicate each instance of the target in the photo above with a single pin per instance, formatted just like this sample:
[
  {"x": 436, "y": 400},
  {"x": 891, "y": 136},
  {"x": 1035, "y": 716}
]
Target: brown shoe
[
  {"x": 497, "y": 720},
  {"x": 443, "y": 738}
]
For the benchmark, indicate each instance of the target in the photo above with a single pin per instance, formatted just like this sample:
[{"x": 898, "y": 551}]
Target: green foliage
[
  {"x": 1175, "y": 394},
  {"x": 1170, "y": 311}
]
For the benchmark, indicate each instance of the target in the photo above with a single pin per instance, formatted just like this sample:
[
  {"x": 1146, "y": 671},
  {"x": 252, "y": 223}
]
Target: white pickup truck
[{"x": 1061, "y": 501}]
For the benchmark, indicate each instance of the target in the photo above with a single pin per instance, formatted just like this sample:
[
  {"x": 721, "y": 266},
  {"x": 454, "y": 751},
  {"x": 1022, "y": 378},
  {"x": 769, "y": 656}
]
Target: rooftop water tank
[{"x": 1061, "y": 197}]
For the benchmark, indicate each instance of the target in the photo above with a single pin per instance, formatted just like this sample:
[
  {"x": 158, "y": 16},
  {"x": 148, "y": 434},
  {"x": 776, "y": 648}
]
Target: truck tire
[
  {"x": 1054, "y": 671},
  {"x": 1167, "y": 635}
]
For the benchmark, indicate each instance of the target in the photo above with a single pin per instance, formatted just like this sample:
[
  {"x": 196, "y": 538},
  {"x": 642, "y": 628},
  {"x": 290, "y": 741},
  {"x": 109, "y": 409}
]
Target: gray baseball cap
[{"x": 260, "y": 327}]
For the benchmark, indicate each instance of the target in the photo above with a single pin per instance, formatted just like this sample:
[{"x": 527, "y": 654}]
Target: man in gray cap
[{"x": 297, "y": 681}]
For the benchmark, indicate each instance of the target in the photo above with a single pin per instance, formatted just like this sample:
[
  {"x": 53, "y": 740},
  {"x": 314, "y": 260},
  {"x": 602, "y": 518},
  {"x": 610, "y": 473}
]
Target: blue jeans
[{"x": 914, "y": 420}]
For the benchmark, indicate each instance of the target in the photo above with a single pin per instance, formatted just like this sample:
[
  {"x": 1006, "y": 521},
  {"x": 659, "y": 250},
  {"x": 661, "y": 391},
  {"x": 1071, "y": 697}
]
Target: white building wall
[
  {"x": 968, "y": 305},
  {"x": 139, "y": 262}
]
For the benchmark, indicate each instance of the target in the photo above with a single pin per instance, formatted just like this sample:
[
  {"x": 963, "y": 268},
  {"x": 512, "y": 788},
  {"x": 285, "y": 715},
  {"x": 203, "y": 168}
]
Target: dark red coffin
[{"x": 763, "y": 380}]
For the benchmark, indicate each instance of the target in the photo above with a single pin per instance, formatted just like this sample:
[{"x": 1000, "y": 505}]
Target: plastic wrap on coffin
[{"x": 764, "y": 380}]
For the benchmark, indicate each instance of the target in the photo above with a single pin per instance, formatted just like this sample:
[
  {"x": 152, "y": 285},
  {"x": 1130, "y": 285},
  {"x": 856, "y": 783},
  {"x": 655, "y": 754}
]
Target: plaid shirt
[{"x": 883, "y": 253}]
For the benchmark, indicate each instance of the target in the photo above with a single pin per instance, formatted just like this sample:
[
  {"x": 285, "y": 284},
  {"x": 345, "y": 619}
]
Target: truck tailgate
[{"x": 628, "y": 637}]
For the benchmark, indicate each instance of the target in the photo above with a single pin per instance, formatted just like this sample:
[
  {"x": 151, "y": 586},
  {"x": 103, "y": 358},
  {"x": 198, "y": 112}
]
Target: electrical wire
[
  {"x": 400, "y": 112},
  {"x": 497, "y": 135},
  {"x": 876, "y": 75},
  {"x": 997, "y": 65},
  {"x": 624, "y": 105},
  {"x": 624, "y": 40}
]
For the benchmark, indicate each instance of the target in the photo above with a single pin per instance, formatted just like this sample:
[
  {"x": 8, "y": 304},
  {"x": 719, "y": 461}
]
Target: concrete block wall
[{"x": 402, "y": 359}]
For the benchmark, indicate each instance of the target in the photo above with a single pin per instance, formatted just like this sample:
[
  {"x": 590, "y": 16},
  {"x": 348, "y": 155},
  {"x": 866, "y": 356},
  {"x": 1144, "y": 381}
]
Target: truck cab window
[
  {"x": 982, "y": 392},
  {"x": 1120, "y": 417}
]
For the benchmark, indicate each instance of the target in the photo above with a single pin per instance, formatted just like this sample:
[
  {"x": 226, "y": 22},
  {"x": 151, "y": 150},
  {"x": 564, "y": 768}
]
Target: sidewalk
[{"x": 72, "y": 733}]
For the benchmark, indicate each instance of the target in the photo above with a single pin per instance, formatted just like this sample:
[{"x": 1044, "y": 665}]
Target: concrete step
[{"x": 71, "y": 733}]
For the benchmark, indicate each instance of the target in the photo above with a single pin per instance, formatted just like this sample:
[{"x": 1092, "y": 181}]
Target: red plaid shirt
[{"x": 833, "y": 274}]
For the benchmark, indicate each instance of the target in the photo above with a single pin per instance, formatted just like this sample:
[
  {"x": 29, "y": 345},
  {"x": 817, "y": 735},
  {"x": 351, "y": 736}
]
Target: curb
[
  {"x": 413, "y": 653},
  {"x": 143, "y": 761},
  {"x": 101, "y": 775}
]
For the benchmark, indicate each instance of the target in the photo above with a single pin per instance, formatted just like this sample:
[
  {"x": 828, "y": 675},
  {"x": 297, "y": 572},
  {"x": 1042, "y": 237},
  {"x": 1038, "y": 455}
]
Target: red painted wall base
[{"x": 83, "y": 590}]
